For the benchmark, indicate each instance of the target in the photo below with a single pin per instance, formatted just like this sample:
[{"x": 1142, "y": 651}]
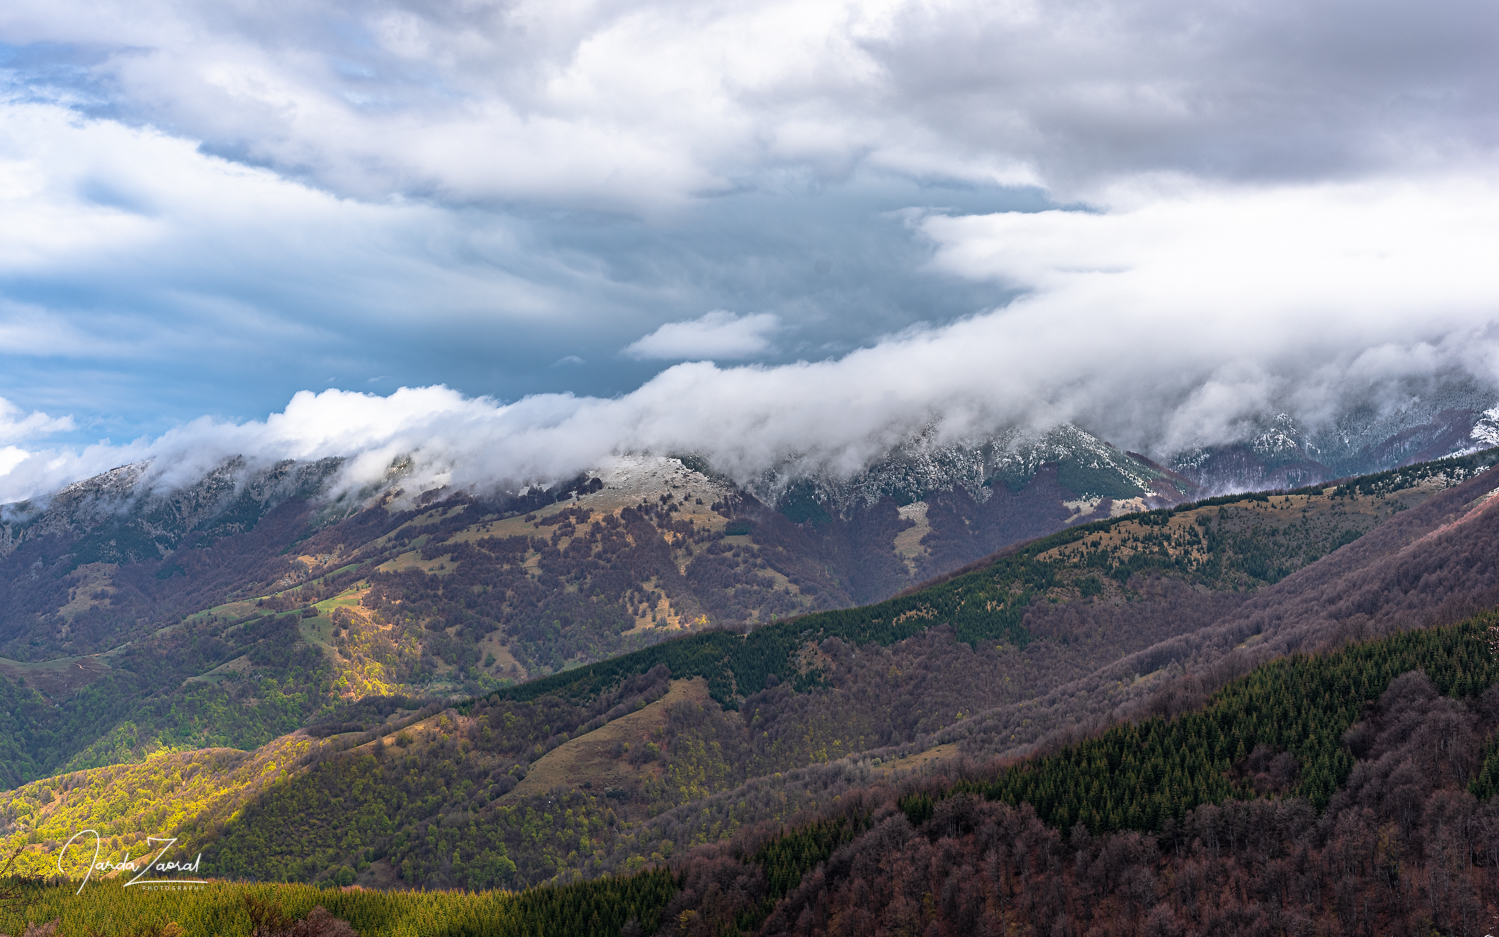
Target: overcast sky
[{"x": 252, "y": 222}]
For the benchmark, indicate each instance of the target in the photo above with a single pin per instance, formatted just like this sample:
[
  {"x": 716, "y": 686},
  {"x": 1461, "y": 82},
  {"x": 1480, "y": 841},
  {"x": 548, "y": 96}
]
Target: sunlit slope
[
  {"x": 224, "y": 909},
  {"x": 183, "y": 794},
  {"x": 289, "y": 613},
  {"x": 353, "y": 610},
  {"x": 309, "y": 804},
  {"x": 587, "y": 771},
  {"x": 235, "y": 684}
]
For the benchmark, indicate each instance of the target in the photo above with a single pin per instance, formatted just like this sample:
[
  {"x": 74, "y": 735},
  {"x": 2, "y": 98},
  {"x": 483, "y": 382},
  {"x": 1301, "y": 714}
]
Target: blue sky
[{"x": 1159, "y": 221}]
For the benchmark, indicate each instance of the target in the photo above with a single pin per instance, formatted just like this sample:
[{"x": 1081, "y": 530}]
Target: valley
[
  {"x": 458, "y": 695},
  {"x": 688, "y": 740}
]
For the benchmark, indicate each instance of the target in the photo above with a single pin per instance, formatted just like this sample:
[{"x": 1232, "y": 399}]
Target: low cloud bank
[{"x": 1160, "y": 323}]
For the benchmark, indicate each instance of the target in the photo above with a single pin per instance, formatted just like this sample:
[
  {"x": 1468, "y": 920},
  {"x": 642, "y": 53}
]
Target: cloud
[
  {"x": 10, "y": 457},
  {"x": 541, "y": 101},
  {"x": 16, "y": 427},
  {"x": 130, "y": 256},
  {"x": 1305, "y": 298},
  {"x": 206, "y": 211},
  {"x": 718, "y": 335},
  {"x": 1160, "y": 325}
]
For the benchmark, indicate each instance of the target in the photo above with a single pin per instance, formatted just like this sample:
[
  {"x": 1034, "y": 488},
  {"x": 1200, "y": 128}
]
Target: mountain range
[
  {"x": 546, "y": 686},
  {"x": 690, "y": 739},
  {"x": 100, "y": 583}
]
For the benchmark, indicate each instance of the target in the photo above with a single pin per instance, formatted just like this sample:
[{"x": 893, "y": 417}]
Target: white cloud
[
  {"x": 220, "y": 253},
  {"x": 18, "y": 427},
  {"x": 1270, "y": 224},
  {"x": 642, "y": 105},
  {"x": 10, "y": 457},
  {"x": 719, "y": 335},
  {"x": 1159, "y": 325},
  {"x": 1300, "y": 297}
]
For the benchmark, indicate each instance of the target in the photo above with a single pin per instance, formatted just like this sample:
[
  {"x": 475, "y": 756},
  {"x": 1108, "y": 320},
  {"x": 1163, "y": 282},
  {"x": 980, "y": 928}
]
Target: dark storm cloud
[{"x": 1091, "y": 92}]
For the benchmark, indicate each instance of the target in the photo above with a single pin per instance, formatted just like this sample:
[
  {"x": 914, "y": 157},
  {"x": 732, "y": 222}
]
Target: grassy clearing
[
  {"x": 412, "y": 559},
  {"x": 229, "y": 611},
  {"x": 505, "y": 665},
  {"x": 317, "y": 631},
  {"x": 590, "y": 759},
  {"x": 94, "y": 586},
  {"x": 239, "y": 665},
  {"x": 349, "y": 598},
  {"x": 56, "y": 678},
  {"x": 917, "y": 761}
]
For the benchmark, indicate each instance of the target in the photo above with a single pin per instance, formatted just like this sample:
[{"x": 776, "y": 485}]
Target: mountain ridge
[{"x": 1101, "y": 625}]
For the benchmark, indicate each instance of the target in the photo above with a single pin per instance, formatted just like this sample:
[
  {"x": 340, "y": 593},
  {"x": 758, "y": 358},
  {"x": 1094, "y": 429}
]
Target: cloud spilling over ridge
[
  {"x": 424, "y": 192},
  {"x": 1167, "y": 322},
  {"x": 1174, "y": 319}
]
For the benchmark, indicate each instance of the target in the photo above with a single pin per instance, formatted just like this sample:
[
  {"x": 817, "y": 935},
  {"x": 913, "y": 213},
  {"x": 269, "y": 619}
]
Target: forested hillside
[
  {"x": 614, "y": 766},
  {"x": 1234, "y": 545},
  {"x": 262, "y": 614},
  {"x": 1349, "y": 792}
]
